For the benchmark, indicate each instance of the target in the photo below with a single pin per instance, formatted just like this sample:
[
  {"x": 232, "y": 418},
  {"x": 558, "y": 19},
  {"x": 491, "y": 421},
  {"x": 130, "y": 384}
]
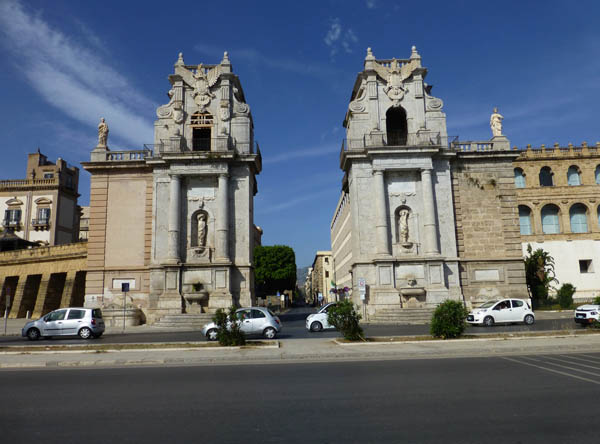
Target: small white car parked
[
  {"x": 587, "y": 314},
  {"x": 502, "y": 311},
  {"x": 318, "y": 321}
]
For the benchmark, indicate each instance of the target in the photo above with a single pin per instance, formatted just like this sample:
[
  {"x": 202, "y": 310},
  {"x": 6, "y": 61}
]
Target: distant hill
[{"x": 301, "y": 276}]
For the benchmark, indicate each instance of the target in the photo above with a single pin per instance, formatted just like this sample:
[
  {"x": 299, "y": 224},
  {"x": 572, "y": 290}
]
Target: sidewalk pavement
[
  {"x": 306, "y": 351},
  {"x": 14, "y": 326}
]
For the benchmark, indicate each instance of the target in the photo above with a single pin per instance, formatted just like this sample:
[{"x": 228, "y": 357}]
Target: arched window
[
  {"x": 598, "y": 175},
  {"x": 525, "y": 219},
  {"x": 519, "y": 178},
  {"x": 573, "y": 176},
  {"x": 578, "y": 218},
  {"x": 546, "y": 179},
  {"x": 396, "y": 126},
  {"x": 550, "y": 221}
]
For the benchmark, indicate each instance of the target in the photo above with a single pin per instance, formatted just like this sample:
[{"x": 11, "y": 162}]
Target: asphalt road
[
  {"x": 294, "y": 328},
  {"x": 527, "y": 399}
]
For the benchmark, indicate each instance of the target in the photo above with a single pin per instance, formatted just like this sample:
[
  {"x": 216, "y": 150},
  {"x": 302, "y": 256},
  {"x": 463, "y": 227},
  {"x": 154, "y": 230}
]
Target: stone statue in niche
[
  {"x": 102, "y": 132},
  {"x": 202, "y": 229},
  {"x": 403, "y": 225},
  {"x": 496, "y": 123}
]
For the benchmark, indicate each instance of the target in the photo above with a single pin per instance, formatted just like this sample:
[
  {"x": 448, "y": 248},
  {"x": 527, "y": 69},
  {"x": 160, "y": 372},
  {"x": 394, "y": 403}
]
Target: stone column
[
  {"x": 381, "y": 221},
  {"x": 222, "y": 222},
  {"x": 17, "y": 298},
  {"x": 66, "y": 298},
  {"x": 430, "y": 240},
  {"x": 174, "y": 219}
]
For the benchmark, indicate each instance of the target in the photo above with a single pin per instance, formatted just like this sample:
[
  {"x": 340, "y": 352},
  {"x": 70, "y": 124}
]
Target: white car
[
  {"x": 502, "y": 311},
  {"x": 587, "y": 314},
  {"x": 318, "y": 320}
]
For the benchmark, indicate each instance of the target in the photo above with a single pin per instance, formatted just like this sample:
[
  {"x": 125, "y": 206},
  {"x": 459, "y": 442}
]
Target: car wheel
[
  {"x": 488, "y": 321},
  {"x": 529, "y": 320},
  {"x": 316, "y": 326},
  {"x": 269, "y": 333},
  {"x": 211, "y": 334},
  {"x": 33, "y": 334},
  {"x": 85, "y": 333}
]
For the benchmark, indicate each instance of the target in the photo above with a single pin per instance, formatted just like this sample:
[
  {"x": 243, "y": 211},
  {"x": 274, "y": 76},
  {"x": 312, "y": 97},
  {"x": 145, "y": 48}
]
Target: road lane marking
[
  {"x": 552, "y": 370},
  {"x": 593, "y": 357}
]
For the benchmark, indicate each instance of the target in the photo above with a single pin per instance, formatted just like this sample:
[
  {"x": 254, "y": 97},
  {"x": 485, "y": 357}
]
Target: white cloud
[
  {"x": 337, "y": 38},
  {"x": 371, "y": 4},
  {"x": 72, "y": 77}
]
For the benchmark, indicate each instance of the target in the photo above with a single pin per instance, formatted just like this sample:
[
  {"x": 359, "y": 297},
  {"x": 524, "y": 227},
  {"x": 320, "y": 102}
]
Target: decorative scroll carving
[
  {"x": 434, "y": 104},
  {"x": 242, "y": 108}
]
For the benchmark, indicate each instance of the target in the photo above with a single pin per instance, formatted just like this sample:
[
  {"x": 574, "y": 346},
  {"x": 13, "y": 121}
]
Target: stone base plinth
[{"x": 219, "y": 300}]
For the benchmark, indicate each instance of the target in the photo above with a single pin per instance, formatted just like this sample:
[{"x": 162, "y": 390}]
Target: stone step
[
  {"x": 195, "y": 321},
  {"x": 402, "y": 316}
]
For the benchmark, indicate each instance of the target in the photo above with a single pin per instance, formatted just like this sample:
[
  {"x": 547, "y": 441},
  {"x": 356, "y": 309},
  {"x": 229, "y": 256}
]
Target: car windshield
[{"x": 488, "y": 304}]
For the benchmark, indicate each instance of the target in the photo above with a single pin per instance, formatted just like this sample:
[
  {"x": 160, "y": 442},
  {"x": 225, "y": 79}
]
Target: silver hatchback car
[
  {"x": 253, "y": 321},
  {"x": 84, "y": 322}
]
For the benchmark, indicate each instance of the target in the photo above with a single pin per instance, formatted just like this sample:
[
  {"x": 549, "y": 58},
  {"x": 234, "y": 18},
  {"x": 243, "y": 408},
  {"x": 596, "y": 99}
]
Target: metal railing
[{"x": 40, "y": 222}]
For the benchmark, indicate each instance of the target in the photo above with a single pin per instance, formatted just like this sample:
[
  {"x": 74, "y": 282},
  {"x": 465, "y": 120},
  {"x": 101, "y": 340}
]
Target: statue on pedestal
[
  {"x": 102, "y": 132},
  {"x": 496, "y": 123}
]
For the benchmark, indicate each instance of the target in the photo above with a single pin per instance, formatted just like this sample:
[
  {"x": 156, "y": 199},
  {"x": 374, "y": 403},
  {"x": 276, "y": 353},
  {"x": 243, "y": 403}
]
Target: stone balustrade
[{"x": 28, "y": 183}]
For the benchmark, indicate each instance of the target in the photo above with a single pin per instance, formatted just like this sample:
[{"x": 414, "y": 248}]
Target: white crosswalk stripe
[{"x": 585, "y": 367}]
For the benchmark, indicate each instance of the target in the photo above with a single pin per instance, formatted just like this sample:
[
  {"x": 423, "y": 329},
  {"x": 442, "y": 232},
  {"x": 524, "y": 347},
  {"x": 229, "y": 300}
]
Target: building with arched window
[
  {"x": 175, "y": 221},
  {"x": 565, "y": 217},
  {"x": 421, "y": 220}
]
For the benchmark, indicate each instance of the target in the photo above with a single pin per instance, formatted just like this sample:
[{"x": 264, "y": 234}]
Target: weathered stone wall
[
  {"x": 42, "y": 279},
  {"x": 341, "y": 242},
  {"x": 487, "y": 227}
]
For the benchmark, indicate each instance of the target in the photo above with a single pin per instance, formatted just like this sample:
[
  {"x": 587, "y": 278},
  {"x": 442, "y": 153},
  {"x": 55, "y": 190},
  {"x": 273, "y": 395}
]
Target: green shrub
[
  {"x": 597, "y": 300},
  {"x": 344, "y": 317},
  {"x": 228, "y": 328},
  {"x": 448, "y": 320},
  {"x": 565, "y": 295}
]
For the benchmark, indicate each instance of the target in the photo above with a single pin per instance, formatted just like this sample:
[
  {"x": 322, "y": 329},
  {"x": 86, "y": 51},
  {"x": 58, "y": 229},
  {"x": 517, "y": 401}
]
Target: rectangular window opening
[{"x": 585, "y": 266}]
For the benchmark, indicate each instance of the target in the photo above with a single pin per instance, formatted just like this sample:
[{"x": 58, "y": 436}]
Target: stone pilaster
[
  {"x": 381, "y": 222},
  {"x": 67, "y": 294},
  {"x": 17, "y": 299},
  {"x": 222, "y": 223},
  {"x": 42, "y": 294},
  {"x": 430, "y": 241},
  {"x": 174, "y": 219}
]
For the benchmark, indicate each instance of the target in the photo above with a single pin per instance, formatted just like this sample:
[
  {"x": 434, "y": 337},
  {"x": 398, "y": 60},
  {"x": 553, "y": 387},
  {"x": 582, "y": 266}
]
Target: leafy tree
[
  {"x": 274, "y": 268},
  {"x": 344, "y": 317},
  {"x": 448, "y": 320},
  {"x": 228, "y": 328},
  {"x": 539, "y": 274}
]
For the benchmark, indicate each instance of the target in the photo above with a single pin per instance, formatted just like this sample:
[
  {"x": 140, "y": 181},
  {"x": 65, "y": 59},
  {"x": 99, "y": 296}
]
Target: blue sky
[{"x": 64, "y": 64}]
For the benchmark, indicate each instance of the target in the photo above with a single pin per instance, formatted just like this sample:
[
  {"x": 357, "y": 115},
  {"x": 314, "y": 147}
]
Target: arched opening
[
  {"x": 525, "y": 220},
  {"x": 546, "y": 177},
  {"x": 578, "y": 218},
  {"x": 201, "y": 125},
  {"x": 396, "y": 126},
  {"x": 573, "y": 176},
  {"x": 519, "y": 178},
  {"x": 550, "y": 219}
]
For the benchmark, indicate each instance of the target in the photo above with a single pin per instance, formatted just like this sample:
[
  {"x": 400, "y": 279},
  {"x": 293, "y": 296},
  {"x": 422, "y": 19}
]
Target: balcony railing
[
  {"x": 200, "y": 145},
  {"x": 10, "y": 223},
  {"x": 128, "y": 155},
  {"x": 40, "y": 223},
  {"x": 26, "y": 183}
]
